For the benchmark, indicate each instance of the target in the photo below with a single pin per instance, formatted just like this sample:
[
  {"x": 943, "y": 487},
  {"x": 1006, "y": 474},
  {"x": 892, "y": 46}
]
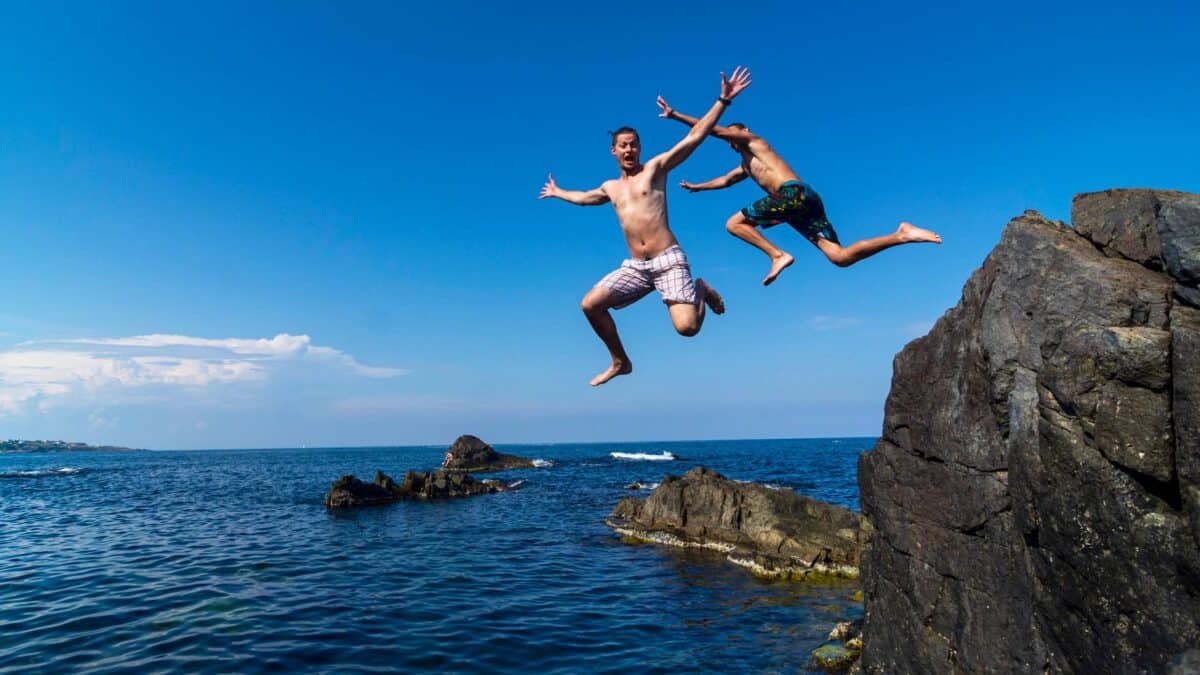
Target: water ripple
[{"x": 228, "y": 562}]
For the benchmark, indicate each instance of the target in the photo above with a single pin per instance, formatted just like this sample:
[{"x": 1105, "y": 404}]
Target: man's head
[
  {"x": 627, "y": 147},
  {"x": 738, "y": 146}
]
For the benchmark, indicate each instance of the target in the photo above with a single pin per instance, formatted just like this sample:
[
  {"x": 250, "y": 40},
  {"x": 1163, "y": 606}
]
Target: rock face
[
  {"x": 1036, "y": 490},
  {"x": 468, "y": 453},
  {"x": 350, "y": 491},
  {"x": 774, "y": 532}
]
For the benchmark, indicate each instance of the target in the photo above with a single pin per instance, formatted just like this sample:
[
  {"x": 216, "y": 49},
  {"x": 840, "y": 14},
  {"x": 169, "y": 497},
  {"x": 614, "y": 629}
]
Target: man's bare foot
[
  {"x": 778, "y": 265},
  {"x": 712, "y": 298},
  {"x": 911, "y": 233},
  {"x": 617, "y": 368}
]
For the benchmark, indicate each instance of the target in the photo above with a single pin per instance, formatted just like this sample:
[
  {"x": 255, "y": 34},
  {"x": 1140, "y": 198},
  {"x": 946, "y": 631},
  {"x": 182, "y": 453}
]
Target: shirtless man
[
  {"x": 788, "y": 200},
  {"x": 639, "y": 197}
]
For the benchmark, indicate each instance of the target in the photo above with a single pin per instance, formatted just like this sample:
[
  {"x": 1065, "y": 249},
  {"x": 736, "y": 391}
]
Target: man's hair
[
  {"x": 736, "y": 125},
  {"x": 623, "y": 130}
]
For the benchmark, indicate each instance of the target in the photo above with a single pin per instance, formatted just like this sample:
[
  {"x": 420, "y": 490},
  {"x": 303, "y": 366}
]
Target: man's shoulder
[
  {"x": 657, "y": 165},
  {"x": 758, "y": 142}
]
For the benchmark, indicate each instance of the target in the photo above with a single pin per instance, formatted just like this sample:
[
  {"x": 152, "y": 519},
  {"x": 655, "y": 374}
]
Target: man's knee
[
  {"x": 837, "y": 256},
  {"x": 591, "y": 304},
  {"x": 736, "y": 222},
  {"x": 687, "y": 327}
]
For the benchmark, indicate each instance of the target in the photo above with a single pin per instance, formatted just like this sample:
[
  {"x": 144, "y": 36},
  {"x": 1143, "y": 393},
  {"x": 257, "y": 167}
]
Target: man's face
[
  {"x": 628, "y": 150},
  {"x": 738, "y": 146}
]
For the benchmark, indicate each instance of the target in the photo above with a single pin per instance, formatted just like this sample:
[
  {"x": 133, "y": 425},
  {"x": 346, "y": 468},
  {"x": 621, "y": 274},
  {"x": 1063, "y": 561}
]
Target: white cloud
[
  {"x": 821, "y": 322},
  {"x": 330, "y": 354},
  {"x": 281, "y": 345},
  {"x": 46, "y": 372}
]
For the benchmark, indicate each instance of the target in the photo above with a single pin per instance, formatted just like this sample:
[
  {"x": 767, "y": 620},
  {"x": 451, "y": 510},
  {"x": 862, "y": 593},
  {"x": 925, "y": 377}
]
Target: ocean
[{"x": 228, "y": 561}]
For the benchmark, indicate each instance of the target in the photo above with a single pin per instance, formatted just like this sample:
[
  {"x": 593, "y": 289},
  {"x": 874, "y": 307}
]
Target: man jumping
[
  {"x": 640, "y": 200},
  {"x": 788, "y": 200}
]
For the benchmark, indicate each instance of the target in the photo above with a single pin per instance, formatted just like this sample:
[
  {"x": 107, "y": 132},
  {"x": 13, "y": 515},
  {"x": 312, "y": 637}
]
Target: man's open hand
[
  {"x": 666, "y": 108},
  {"x": 733, "y": 85},
  {"x": 550, "y": 189}
]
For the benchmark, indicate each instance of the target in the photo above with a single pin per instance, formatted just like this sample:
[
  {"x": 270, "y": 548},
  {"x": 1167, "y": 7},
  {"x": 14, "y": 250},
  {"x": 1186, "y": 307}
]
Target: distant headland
[{"x": 58, "y": 446}]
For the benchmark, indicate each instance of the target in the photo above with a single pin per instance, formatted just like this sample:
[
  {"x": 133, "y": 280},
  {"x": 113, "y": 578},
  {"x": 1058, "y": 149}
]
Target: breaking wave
[
  {"x": 769, "y": 486},
  {"x": 41, "y": 473},
  {"x": 664, "y": 457}
]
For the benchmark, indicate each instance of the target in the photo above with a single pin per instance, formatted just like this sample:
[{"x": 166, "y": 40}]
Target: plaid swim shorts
[{"x": 668, "y": 271}]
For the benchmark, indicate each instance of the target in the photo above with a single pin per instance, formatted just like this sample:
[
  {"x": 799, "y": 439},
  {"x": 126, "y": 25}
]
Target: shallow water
[{"x": 227, "y": 561}]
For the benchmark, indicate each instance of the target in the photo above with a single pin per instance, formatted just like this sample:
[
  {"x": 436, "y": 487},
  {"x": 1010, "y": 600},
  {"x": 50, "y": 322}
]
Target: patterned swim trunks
[
  {"x": 668, "y": 271},
  {"x": 796, "y": 204}
]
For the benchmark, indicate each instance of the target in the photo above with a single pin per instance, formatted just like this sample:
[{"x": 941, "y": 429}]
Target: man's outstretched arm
[
  {"x": 736, "y": 176},
  {"x": 593, "y": 197},
  {"x": 724, "y": 133},
  {"x": 730, "y": 88}
]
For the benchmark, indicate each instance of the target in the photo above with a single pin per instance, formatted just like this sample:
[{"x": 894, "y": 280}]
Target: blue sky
[{"x": 317, "y": 224}]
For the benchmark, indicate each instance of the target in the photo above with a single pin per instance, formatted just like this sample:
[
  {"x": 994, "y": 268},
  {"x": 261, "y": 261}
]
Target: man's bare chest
[
  {"x": 636, "y": 195},
  {"x": 756, "y": 167}
]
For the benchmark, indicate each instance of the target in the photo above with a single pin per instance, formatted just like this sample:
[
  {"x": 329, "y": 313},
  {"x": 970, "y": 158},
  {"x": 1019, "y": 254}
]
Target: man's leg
[
  {"x": 596, "y": 305},
  {"x": 743, "y": 228},
  {"x": 907, "y": 233},
  {"x": 688, "y": 318}
]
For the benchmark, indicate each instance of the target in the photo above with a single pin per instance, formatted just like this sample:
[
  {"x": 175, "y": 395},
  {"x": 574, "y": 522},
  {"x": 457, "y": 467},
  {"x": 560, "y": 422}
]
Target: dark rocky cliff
[{"x": 1036, "y": 490}]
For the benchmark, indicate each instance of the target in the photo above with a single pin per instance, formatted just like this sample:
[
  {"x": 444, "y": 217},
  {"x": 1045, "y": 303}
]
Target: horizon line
[{"x": 499, "y": 444}]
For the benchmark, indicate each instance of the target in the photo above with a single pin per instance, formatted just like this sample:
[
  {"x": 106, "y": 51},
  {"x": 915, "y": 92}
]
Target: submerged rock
[
  {"x": 833, "y": 658},
  {"x": 773, "y": 532},
  {"x": 350, "y": 491},
  {"x": 468, "y": 453},
  {"x": 1036, "y": 489}
]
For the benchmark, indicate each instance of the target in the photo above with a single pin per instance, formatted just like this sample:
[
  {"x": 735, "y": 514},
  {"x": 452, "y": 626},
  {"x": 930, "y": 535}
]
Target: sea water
[{"x": 228, "y": 561}]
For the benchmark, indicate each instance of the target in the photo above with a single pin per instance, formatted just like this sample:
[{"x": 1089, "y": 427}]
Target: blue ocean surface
[{"x": 228, "y": 561}]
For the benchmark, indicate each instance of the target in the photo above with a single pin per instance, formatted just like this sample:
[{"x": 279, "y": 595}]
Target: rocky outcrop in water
[
  {"x": 350, "y": 491},
  {"x": 468, "y": 453},
  {"x": 1036, "y": 489},
  {"x": 773, "y": 532},
  {"x": 843, "y": 649}
]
